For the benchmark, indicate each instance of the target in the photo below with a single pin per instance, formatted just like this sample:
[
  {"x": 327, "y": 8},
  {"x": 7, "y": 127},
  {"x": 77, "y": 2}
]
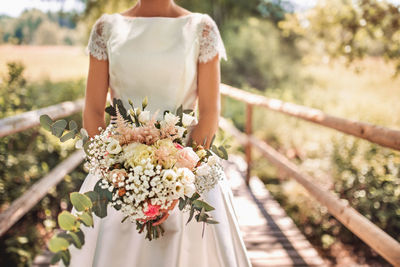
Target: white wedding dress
[{"x": 157, "y": 57}]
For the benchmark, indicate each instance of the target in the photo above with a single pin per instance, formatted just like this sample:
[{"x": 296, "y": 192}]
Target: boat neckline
[{"x": 154, "y": 17}]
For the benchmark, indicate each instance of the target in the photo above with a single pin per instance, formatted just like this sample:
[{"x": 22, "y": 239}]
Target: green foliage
[
  {"x": 256, "y": 50},
  {"x": 27, "y": 156},
  {"x": 35, "y": 27},
  {"x": 352, "y": 29},
  {"x": 368, "y": 176},
  {"x": 71, "y": 223}
]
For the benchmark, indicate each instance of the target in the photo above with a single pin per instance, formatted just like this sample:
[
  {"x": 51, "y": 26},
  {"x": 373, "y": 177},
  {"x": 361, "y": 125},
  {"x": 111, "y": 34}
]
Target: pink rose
[
  {"x": 187, "y": 158},
  {"x": 152, "y": 210},
  {"x": 178, "y": 146}
]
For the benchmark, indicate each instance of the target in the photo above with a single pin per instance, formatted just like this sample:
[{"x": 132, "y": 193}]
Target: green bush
[{"x": 26, "y": 157}]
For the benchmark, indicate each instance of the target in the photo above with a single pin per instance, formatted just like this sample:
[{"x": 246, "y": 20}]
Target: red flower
[
  {"x": 152, "y": 210},
  {"x": 178, "y": 146}
]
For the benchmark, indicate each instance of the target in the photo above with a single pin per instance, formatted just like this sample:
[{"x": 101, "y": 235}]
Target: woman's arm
[
  {"x": 209, "y": 102},
  {"x": 95, "y": 96}
]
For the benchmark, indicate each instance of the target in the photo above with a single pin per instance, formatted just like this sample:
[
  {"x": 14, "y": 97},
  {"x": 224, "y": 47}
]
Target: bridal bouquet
[{"x": 144, "y": 170}]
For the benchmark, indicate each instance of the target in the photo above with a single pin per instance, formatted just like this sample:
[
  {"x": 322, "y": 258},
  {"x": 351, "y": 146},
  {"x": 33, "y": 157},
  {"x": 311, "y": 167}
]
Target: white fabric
[{"x": 157, "y": 57}]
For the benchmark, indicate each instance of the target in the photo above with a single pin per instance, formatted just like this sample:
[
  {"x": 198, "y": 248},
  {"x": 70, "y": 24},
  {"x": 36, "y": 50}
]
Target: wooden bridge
[{"x": 270, "y": 235}]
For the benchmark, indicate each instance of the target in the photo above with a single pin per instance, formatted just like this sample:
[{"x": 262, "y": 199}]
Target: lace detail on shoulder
[
  {"x": 97, "y": 45},
  {"x": 211, "y": 42}
]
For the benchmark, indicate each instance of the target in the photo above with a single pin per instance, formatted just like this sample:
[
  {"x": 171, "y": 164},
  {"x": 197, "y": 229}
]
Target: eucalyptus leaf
[
  {"x": 66, "y": 257},
  {"x": 80, "y": 201},
  {"x": 99, "y": 203},
  {"x": 212, "y": 140},
  {"x": 75, "y": 239},
  {"x": 224, "y": 152},
  {"x": 84, "y": 133},
  {"x": 199, "y": 204},
  {"x": 58, "y": 127},
  {"x": 57, "y": 244},
  {"x": 72, "y": 238},
  {"x": 46, "y": 121},
  {"x": 182, "y": 203},
  {"x": 73, "y": 125},
  {"x": 191, "y": 214},
  {"x": 210, "y": 221},
  {"x": 81, "y": 236},
  {"x": 56, "y": 258},
  {"x": 86, "y": 218},
  {"x": 67, "y": 221},
  {"x": 69, "y": 135}
]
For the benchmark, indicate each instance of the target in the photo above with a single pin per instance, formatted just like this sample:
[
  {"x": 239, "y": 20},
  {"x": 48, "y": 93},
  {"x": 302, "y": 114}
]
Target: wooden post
[{"x": 249, "y": 116}]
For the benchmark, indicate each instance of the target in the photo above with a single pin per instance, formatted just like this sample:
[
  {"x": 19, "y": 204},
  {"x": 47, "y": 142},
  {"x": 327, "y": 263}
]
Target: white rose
[
  {"x": 188, "y": 176},
  {"x": 188, "y": 120},
  {"x": 170, "y": 118},
  {"x": 203, "y": 169},
  {"x": 189, "y": 190},
  {"x": 113, "y": 147},
  {"x": 181, "y": 130},
  {"x": 144, "y": 116}
]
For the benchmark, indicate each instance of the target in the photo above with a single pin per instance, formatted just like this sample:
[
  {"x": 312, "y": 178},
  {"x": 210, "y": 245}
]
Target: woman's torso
[{"x": 157, "y": 57}]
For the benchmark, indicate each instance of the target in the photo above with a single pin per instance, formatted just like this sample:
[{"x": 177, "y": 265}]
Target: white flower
[
  {"x": 170, "y": 118},
  {"x": 203, "y": 170},
  {"x": 188, "y": 120},
  {"x": 144, "y": 116},
  {"x": 179, "y": 189},
  {"x": 169, "y": 175},
  {"x": 187, "y": 175},
  {"x": 189, "y": 190},
  {"x": 181, "y": 130},
  {"x": 114, "y": 147},
  {"x": 212, "y": 160}
]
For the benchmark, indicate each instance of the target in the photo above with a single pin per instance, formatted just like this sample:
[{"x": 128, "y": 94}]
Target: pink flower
[
  {"x": 187, "y": 158},
  {"x": 178, "y": 146},
  {"x": 152, "y": 210}
]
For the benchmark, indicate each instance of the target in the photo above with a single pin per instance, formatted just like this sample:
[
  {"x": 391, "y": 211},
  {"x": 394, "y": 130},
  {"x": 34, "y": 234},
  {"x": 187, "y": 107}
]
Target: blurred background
[{"x": 341, "y": 56}]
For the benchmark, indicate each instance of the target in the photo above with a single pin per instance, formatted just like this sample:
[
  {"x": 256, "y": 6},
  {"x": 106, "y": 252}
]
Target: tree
[{"x": 352, "y": 29}]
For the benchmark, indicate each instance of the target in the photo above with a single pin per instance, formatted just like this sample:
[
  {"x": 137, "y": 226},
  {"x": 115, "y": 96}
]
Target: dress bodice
[{"x": 155, "y": 56}]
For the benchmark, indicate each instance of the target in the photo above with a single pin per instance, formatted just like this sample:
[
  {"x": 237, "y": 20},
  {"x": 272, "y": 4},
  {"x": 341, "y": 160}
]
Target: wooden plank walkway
[{"x": 271, "y": 237}]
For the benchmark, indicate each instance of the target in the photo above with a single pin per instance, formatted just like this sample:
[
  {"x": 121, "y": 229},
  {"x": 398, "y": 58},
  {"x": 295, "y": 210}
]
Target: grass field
[{"x": 47, "y": 62}]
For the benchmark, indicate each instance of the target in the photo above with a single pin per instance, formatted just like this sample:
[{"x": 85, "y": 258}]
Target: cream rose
[
  {"x": 138, "y": 152},
  {"x": 187, "y": 158}
]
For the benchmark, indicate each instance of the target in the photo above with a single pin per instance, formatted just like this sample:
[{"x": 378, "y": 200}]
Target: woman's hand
[{"x": 209, "y": 102}]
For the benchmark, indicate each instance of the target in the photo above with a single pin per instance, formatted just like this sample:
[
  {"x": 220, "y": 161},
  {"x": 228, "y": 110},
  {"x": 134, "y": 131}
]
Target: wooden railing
[
  {"x": 38, "y": 190},
  {"x": 377, "y": 239},
  {"x": 372, "y": 235}
]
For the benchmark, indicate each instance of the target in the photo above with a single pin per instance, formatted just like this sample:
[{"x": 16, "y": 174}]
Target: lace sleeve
[
  {"x": 97, "y": 45},
  {"x": 211, "y": 42}
]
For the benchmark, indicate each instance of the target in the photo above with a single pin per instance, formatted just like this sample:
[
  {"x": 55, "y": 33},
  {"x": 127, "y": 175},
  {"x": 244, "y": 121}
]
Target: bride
[{"x": 159, "y": 50}]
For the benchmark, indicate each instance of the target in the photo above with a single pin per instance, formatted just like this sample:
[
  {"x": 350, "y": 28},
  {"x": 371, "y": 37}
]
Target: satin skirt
[{"x": 114, "y": 244}]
